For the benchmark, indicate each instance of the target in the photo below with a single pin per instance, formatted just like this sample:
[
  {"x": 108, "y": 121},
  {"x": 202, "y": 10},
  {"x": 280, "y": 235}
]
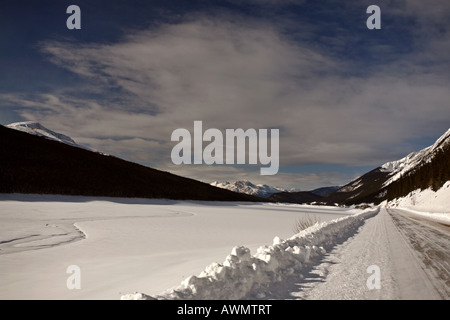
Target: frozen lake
[{"x": 128, "y": 245}]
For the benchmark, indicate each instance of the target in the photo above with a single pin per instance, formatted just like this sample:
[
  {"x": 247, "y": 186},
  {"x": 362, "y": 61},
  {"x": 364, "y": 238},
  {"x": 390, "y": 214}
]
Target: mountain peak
[{"x": 37, "y": 129}]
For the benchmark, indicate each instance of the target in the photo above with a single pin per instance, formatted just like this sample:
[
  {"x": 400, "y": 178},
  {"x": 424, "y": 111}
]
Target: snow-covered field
[
  {"x": 128, "y": 245},
  {"x": 138, "y": 248}
]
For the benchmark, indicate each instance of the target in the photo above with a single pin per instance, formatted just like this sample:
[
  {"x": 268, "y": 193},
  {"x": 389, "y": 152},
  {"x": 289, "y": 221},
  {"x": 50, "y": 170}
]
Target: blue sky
[{"x": 346, "y": 99}]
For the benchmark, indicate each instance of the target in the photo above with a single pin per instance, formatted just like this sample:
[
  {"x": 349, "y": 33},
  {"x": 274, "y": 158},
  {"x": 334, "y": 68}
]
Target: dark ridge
[
  {"x": 325, "y": 191},
  {"x": 295, "y": 197},
  {"x": 32, "y": 164},
  {"x": 365, "y": 189},
  {"x": 432, "y": 174}
]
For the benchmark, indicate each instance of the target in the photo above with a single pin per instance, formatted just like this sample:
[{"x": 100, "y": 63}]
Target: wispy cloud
[{"x": 235, "y": 72}]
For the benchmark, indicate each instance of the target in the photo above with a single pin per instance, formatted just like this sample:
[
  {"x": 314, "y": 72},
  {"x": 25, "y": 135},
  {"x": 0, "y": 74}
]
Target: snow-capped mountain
[
  {"x": 400, "y": 167},
  {"x": 245, "y": 186},
  {"x": 38, "y": 129},
  {"x": 429, "y": 167}
]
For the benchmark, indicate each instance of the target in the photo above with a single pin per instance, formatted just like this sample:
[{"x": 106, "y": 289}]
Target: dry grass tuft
[{"x": 304, "y": 222}]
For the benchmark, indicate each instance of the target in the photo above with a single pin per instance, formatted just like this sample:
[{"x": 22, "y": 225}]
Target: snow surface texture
[
  {"x": 37, "y": 129},
  {"x": 434, "y": 205},
  {"x": 242, "y": 276},
  {"x": 142, "y": 245},
  {"x": 245, "y": 186},
  {"x": 125, "y": 245},
  {"x": 399, "y": 167}
]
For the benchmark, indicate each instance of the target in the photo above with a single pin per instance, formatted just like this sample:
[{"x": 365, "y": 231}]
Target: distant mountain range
[
  {"x": 313, "y": 196},
  {"x": 324, "y": 191},
  {"x": 426, "y": 168},
  {"x": 245, "y": 186},
  {"x": 275, "y": 193},
  {"x": 34, "y": 159}
]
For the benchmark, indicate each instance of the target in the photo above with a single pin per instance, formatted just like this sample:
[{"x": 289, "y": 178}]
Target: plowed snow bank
[{"x": 242, "y": 275}]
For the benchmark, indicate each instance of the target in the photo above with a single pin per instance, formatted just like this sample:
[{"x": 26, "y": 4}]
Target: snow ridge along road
[{"x": 242, "y": 276}]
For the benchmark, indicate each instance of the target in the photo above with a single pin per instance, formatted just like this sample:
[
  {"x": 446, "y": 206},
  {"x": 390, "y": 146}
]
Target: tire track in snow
[
  {"x": 343, "y": 271},
  {"x": 431, "y": 247}
]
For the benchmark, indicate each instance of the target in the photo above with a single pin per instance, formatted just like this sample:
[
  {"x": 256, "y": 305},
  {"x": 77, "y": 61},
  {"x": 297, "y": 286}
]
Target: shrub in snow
[{"x": 304, "y": 223}]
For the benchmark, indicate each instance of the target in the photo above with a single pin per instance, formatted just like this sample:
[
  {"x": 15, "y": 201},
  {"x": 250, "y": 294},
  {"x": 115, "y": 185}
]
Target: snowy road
[
  {"x": 413, "y": 261},
  {"x": 430, "y": 241}
]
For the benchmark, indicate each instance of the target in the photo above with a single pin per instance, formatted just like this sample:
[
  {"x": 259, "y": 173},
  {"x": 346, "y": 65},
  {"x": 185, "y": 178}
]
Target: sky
[{"x": 346, "y": 99}]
